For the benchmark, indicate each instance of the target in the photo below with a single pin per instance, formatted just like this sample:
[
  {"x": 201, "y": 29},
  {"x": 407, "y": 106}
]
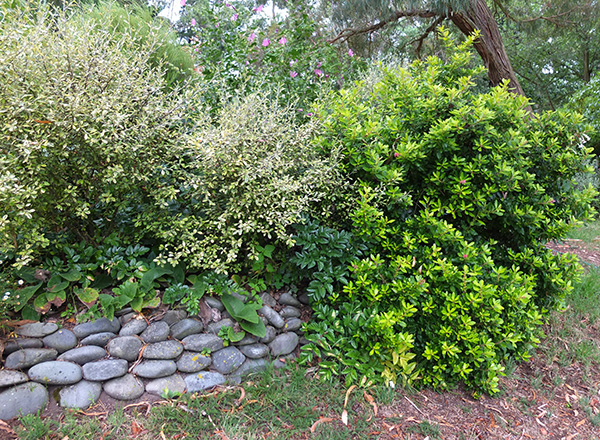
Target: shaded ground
[{"x": 556, "y": 395}]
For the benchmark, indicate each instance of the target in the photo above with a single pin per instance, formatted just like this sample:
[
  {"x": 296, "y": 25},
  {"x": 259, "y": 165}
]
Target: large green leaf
[
  {"x": 56, "y": 284},
  {"x": 153, "y": 274},
  {"x": 72, "y": 275},
  {"x": 25, "y": 295},
  {"x": 102, "y": 281},
  {"x": 57, "y": 299},
  {"x": 41, "y": 304},
  {"x": 87, "y": 295},
  {"x": 256, "y": 328}
]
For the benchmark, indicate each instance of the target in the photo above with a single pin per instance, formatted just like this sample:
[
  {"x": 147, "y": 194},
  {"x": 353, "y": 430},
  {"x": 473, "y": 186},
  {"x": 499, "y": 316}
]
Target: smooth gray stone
[
  {"x": 27, "y": 398},
  {"x": 283, "y": 361},
  {"x": 247, "y": 340},
  {"x": 203, "y": 381},
  {"x": 61, "y": 340},
  {"x": 251, "y": 366},
  {"x": 156, "y": 332},
  {"x": 105, "y": 369},
  {"x": 271, "y": 333},
  {"x": 288, "y": 299},
  {"x": 203, "y": 342},
  {"x": 81, "y": 395},
  {"x": 163, "y": 350},
  {"x": 274, "y": 318},
  {"x": 214, "y": 303},
  {"x": 254, "y": 351},
  {"x": 186, "y": 327},
  {"x": 167, "y": 386},
  {"x": 191, "y": 362},
  {"x": 28, "y": 357},
  {"x": 242, "y": 298},
  {"x": 125, "y": 319},
  {"x": 292, "y": 324},
  {"x": 13, "y": 345},
  {"x": 98, "y": 339},
  {"x": 304, "y": 299},
  {"x": 83, "y": 355},
  {"x": 290, "y": 312},
  {"x": 124, "y": 311},
  {"x": 127, "y": 387},
  {"x": 55, "y": 373},
  {"x": 173, "y": 316},
  {"x": 11, "y": 377},
  {"x": 267, "y": 299},
  {"x": 133, "y": 327},
  {"x": 154, "y": 369},
  {"x": 284, "y": 344},
  {"x": 37, "y": 329},
  {"x": 101, "y": 325},
  {"x": 227, "y": 360},
  {"x": 125, "y": 347},
  {"x": 214, "y": 327}
]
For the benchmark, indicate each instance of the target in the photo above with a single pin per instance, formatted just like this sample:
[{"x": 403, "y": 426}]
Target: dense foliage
[{"x": 459, "y": 191}]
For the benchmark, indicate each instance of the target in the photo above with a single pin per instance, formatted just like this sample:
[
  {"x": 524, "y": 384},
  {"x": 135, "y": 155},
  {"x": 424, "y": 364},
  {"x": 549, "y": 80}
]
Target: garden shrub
[
  {"x": 459, "y": 192},
  {"x": 87, "y": 128}
]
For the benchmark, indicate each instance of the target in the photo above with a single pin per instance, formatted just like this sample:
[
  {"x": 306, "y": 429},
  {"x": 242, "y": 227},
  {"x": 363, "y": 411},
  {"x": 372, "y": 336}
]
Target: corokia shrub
[
  {"x": 459, "y": 192},
  {"x": 86, "y": 128},
  {"x": 241, "y": 183}
]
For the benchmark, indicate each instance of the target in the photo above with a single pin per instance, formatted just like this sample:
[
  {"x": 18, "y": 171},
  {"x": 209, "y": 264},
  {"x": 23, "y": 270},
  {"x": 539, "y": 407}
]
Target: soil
[{"x": 540, "y": 399}]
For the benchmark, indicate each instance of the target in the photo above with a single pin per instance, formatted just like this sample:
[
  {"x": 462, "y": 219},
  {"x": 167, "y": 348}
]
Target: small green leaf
[
  {"x": 87, "y": 295},
  {"x": 25, "y": 295},
  {"x": 72, "y": 275}
]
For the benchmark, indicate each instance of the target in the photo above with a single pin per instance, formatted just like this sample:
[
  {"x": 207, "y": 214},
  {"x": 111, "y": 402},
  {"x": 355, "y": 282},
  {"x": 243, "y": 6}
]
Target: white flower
[{"x": 20, "y": 282}]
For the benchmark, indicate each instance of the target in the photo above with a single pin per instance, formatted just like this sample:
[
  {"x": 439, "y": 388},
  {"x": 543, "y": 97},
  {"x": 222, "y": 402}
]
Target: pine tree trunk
[{"x": 478, "y": 16}]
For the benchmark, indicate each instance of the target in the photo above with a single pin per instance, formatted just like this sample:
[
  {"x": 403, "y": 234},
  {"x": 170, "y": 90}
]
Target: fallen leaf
[
  {"x": 371, "y": 402},
  {"x": 348, "y": 395},
  {"x": 579, "y": 423},
  {"x": 321, "y": 420},
  {"x": 135, "y": 428},
  {"x": 221, "y": 435},
  {"x": 345, "y": 417}
]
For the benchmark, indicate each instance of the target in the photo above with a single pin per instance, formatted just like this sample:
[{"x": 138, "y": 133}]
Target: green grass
[{"x": 588, "y": 232}]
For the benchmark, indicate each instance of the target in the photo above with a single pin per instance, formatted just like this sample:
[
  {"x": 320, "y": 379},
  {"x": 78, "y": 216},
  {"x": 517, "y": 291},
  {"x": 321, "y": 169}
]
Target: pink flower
[
  {"x": 350, "y": 53},
  {"x": 193, "y": 22},
  {"x": 465, "y": 256},
  {"x": 292, "y": 63},
  {"x": 252, "y": 37},
  {"x": 293, "y": 74},
  {"x": 282, "y": 41},
  {"x": 309, "y": 114},
  {"x": 319, "y": 64},
  {"x": 234, "y": 17},
  {"x": 266, "y": 42},
  {"x": 396, "y": 154},
  {"x": 318, "y": 72},
  {"x": 259, "y": 9},
  {"x": 463, "y": 182},
  {"x": 183, "y": 2}
]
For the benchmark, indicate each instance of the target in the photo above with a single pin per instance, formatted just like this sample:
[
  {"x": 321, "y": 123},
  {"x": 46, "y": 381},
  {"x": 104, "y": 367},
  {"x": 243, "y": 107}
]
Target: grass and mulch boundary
[{"x": 556, "y": 395}]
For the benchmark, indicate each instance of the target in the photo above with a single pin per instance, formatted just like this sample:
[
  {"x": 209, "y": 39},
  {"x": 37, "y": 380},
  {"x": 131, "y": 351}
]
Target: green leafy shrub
[
  {"x": 86, "y": 128},
  {"x": 240, "y": 186},
  {"x": 459, "y": 192}
]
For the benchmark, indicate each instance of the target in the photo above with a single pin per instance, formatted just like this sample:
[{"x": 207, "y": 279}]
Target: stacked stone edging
[{"x": 128, "y": 356}]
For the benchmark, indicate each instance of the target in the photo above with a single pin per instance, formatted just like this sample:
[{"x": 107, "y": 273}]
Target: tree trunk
[{"x": 489, "y": 46}]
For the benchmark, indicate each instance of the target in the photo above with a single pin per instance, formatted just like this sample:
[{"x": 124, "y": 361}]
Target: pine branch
[
  {"x": 425, "y": 34},
  {"x": 552, "y": 18},
  {"x": 351, "y": 32}
]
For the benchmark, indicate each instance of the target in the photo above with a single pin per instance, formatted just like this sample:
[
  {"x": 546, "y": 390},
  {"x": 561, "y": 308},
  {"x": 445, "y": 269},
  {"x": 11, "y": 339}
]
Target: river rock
[
  {"x": 27, "y": 398},
  {"x": 283, "y": 361},
  {"x": 267, "y": 299},
  {"x": 304, "y": 299},
  {"x": 215, "y": 327},
  {"x": 290, "y": 312},
  {"x": 133, "y": 327},
  {"x": 156, "y": 332},
  {"x": 105, "y": 369},
  {"x": 270, "y": 335},
  {"x": 98, "y": 339},
  {"x": 125, "y": 347},
  {"x": 83, "y": 355},
  {"x": 126, "y": 387},
  {"x": 102, "y": 325},
  {"x": 192, "y": 362},
  {"x": 37, "y": 329},
  {"x": 251, "y": 366},
  {"x": 61, "y": 340},
  {"x": 272, "y": 316},
  {"x": 81, "y": 395},
  {"x": 288, "y": 299},
  {"x": 203, "y": 381},
  {"x": 284, "y": 344},
  {"x": 214, "y": 303},
  {"x": 163, "y": 350},
  {"x": 247, "y": 340},
  {"x": 28, "y": 357},
  {"x": 13, "y": 345},
  {"x": 227, "y": 360},
  {"x": 10, "y": 377},
  {"x": 185, "y": 328},
  {"x": 254, "y": 351},
  {"x": 203, "y": 342},
  {"x": 55, "y": 373},
  {"x": 173, "y": 316},
  {"x": 292, "y": 324},
  {"x": 167, "y": 386},
  {"x": 154, "y": 369}
]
